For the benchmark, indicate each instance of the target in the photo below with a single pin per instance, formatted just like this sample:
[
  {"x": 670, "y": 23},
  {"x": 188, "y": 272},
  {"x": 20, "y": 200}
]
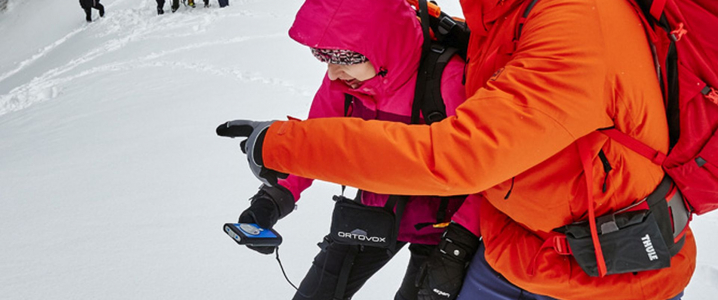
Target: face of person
[{"x": 352, "y": 75}]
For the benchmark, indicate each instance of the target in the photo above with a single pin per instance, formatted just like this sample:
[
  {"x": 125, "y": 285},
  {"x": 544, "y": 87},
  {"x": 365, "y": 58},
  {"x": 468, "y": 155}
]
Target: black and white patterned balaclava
[{"x": 338, "y": 57}]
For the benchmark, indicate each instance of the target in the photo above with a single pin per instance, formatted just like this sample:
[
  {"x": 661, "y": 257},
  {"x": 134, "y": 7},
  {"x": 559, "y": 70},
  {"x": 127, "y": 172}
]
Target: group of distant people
[
  {"x": 88, "y": 5},
  {"x": 175, "y": 5}
]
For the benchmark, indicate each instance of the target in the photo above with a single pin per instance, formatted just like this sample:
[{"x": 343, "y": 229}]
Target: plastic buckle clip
[{"x": 446, "y": 23}]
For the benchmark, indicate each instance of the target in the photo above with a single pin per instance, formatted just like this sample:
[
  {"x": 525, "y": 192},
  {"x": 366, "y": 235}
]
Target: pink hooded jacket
[{"x": 389, "y": 35}]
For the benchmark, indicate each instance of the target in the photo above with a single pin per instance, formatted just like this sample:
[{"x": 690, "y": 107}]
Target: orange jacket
[{"x": 579, "y": 65}]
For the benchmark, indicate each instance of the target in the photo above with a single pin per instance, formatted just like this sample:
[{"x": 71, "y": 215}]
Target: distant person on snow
[
  {"x": 372, "y": 52},
  {"x": 87, "y": 5}
]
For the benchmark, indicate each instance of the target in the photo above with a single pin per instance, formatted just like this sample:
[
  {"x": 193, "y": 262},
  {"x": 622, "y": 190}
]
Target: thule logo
[
  {"x": 361, "y": 235},
  {"x": 649, "y": 248},
  {"x": 442, "y": 293}
]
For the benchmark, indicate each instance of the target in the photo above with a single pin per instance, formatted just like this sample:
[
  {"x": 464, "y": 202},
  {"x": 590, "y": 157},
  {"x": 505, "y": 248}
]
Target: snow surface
[{"x": 113, "y": 184}]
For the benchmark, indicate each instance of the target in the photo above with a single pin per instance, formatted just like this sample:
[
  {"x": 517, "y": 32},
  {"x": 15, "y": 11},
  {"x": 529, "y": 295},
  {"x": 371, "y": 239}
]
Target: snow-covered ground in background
[{"x": 113, "y": 184}]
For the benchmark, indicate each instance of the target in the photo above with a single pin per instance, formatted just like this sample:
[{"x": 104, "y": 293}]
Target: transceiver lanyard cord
[{"x": 316, "y": 289}]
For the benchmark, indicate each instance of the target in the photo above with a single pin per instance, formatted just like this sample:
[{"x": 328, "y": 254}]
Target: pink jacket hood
[{"x": 378, "y": 30}]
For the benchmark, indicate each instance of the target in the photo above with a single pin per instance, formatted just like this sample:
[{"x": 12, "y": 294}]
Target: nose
[{"x": 333, "y": 71}]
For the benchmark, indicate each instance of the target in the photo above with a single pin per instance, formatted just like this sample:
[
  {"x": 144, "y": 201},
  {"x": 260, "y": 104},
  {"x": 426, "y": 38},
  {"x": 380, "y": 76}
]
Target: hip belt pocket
[{"x": 631, "y": 242}]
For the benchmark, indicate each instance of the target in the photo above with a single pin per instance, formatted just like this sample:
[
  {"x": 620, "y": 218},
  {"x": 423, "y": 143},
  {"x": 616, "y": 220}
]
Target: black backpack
[{"x": 444, "y": 37}]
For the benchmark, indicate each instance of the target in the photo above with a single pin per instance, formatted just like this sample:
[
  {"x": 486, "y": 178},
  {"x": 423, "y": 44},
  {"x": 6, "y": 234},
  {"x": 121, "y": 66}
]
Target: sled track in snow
[{"x": 127, "y": 27}]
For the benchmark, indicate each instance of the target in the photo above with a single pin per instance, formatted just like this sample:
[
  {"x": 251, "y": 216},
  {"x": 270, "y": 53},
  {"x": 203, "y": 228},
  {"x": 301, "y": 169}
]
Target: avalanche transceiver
[{"x": 253, "y": 235}]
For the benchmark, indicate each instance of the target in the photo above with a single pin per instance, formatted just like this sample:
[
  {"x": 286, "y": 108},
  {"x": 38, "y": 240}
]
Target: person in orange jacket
[{"x": 577, "y": 67}]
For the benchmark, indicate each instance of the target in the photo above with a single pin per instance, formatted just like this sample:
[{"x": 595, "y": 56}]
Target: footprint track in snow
[{"x": 131, "y": 26}]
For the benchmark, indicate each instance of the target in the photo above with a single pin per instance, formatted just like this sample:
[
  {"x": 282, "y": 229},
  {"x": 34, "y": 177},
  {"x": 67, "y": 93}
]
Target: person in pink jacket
[{"x": 373, "y": 52}]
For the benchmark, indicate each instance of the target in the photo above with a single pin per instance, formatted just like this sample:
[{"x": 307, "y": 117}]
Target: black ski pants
[
  {"x": 87, "y": 5},
  {"x": 322, "y": 279},
  {"x": 161, "y": 4}
]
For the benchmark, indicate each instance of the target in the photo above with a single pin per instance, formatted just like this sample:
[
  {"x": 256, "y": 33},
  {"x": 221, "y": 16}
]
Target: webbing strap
[
  {"x": 399, "y": 212},
  {"x": 348, "y": 99},
  {"x": 657, "y": 8},
  {"x": 523, "y": 18},
  {"x": 510, "y": 46},
  {"x": 635, "y": 145},
  {"x": 392, "y": 201},
  {"x": 344, "y": 273},
  {"x": 434, "y": 10},
  {"x": 423, "y": 73},
  {"x": 651, "y": 13},
  {"x": 585, "y": 153},
  {"x": 424, "y": 15},
  {"x": 397, "y": 204},
  {"x": 441, "y": 212},
  {"x": 558, "y": 242}
]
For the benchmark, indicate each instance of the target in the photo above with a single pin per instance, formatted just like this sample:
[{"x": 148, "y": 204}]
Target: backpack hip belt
[
  {"x": 641, "y": 237},
  {"x": 671, "y": 211}
]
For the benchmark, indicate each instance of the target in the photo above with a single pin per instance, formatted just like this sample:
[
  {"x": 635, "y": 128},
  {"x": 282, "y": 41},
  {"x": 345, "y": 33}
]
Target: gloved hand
[
  {"x": 252, "y": 146},
  {"x": 269, "y": 205},
  {"x": 443, "y": 273}
]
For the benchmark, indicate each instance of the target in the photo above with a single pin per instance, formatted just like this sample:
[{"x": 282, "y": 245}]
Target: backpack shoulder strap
[
  {"x": 428, "y": 100},
  {"x": 434, "y": 58},
  {"x": 397, "y": 204}
]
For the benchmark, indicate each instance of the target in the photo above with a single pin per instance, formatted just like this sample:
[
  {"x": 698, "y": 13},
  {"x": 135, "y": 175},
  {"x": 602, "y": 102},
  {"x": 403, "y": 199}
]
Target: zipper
[
  {"x": 606, "y": 168},
  {"x": 510, "y": 189}
]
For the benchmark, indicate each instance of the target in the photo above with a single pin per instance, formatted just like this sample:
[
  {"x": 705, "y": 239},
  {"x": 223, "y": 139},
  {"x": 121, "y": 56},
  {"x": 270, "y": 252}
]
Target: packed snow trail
[{"x": 113, "y": 184}]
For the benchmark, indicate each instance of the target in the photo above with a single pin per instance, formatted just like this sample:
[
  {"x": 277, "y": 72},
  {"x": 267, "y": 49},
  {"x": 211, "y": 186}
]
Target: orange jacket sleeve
[{"x": 549, "y": 94}]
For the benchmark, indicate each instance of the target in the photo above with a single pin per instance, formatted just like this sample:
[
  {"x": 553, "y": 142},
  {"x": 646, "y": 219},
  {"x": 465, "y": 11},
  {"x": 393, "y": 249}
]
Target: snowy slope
[{"x": 113, "y": 184}]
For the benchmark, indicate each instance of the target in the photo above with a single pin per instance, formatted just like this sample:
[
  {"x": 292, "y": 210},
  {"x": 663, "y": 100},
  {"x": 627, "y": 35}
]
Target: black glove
[
  {"x": 443, "y": 273},
  {"x": 269, "y": 205},
  {"x": 252, "y": 146}
]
